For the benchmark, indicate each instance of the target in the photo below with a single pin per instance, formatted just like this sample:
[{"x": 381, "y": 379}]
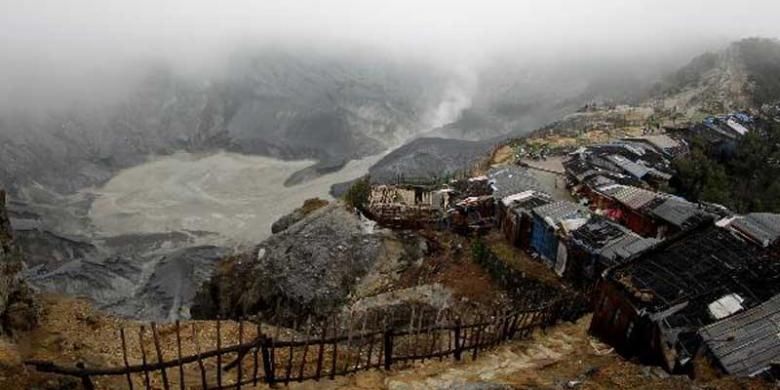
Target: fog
[{"x": 53, "y": 50}]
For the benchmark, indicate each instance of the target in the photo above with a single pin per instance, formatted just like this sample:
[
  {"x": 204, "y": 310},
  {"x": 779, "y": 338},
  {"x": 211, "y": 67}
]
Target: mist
[{"x": 90, "y": 50}]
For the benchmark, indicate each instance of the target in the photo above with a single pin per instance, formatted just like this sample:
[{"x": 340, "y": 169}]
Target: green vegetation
[
  {"x": 358, "y": 194},
  {"x": 749, "y": 181},
  {"x": 479, "y": 251}
]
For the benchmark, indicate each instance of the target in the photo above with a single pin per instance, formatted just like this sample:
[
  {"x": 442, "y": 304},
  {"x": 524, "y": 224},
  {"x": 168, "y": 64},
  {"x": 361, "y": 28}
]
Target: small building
[
  {"x": 628, "y": 208},
  {"x": 746, "y": 344},
  {"x": 515, "y": 217},
  {"x": 408, "y": 206},
  {"x": 510, "y": 180},
  {"x": 473, "y": 214},
  {"x": 551, "y": 220},
  {"x": 653, "y": 306},
  {"x": 675, "y": 215},
  {"x": 664, "y": 144},
  {"x": 761, "y": 228},
  {"x": 600, "y": 244},
  {"x": 636, "y": 162}
]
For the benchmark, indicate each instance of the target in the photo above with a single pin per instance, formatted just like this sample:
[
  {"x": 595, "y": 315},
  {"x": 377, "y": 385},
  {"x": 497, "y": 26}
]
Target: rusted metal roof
[
  {"x": 634, "y": 197},
  {"x": 747, "y": 343},
  {"x": 680, "y": 213},
  {"x": 763, "y": 228}
]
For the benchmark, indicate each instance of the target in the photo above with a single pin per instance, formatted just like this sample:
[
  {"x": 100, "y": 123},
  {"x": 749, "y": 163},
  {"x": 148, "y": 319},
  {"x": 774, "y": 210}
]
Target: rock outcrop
[
  {"x": 17, "y": 307},
  {"x": 309, "y": 206},
  {"x": 311, "y": 267}
]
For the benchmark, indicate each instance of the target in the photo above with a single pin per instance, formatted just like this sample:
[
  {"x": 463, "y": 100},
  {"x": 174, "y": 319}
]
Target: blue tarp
[{"x": 544, "y": 240}]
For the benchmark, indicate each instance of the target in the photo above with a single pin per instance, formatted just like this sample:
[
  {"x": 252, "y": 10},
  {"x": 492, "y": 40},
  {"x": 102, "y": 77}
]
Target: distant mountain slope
[
  {"x": 745, "y": 74},
  {"x": 271, "y": 104}
]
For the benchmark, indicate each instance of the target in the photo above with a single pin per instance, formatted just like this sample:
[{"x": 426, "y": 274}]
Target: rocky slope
[
  {"x": 744, "y": 75},
  {"x": 272, "y": 104},
  {"x": 311, "y": 267},
  {"x": 18, "y": 310},
  {"x": 312, "y": 106}
]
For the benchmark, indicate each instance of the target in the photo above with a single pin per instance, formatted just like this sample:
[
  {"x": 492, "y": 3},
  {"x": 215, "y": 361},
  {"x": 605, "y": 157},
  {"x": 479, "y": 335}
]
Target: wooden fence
[{"x": 327, "y": 350}]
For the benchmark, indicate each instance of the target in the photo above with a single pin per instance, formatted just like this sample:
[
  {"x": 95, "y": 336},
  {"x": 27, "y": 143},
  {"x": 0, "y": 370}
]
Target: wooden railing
[{"x": 325, "y": 351}]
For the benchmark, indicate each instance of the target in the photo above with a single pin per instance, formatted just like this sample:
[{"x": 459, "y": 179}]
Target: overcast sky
[{"x": 63, "y": 39}]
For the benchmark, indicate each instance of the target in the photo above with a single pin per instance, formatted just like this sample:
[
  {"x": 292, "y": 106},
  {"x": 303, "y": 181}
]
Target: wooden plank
[
  {"x": 124, "y": 358},
  {"x": 411, "y": 330},
  {"x": 219, "y": 353},
  {"x": 478, "y": 334},
  {"x": 350, "y": 325},
  {"x": 387, "y": 342},
  {"x": 418, "y": 328},
  {"x": 288, "y": 368},
  {"x": 371, "y": 340},
  {"x": 259, "y": 339},
  {"x": 182, "y": 384},
  {"x": 156, "y": 339},
  {"x": 334, "y": 357},
  {"x": 86, "y": 381},
  {"x": 321, "y": 349},
  {"x": 360, "y": 344},
  {"x": 457, "y": 339},
  {"x": 305, "y": 348},
  {"x": 382, "y": 343},
  {"x": 147, "y": 385},
  {"x": 273, "y": 343},
  {"x": 203, "y": 382},
  {"x": 240, "y": 355},
  {"x": 270, "y": 374},
  {"x": 434, "y": 335}
]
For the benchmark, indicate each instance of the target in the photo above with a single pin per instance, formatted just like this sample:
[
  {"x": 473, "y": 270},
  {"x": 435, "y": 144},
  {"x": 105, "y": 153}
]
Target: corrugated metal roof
[
  {"x": 612, "y": 241},
  {"x": 636, "y": 170},
  {"x": 560, "y": 210},
  {"x": 747, "y": 343},
  {"x": 761, "y": 227},
  {"x": 627, "y": 246},
  {"x": 634, "y": 197},
  {"x": 531, "y": 202},
  {"x": 512, "y": 180},
  {"x": 661, "y": 141},
  {"x": 680, "y": 213}
]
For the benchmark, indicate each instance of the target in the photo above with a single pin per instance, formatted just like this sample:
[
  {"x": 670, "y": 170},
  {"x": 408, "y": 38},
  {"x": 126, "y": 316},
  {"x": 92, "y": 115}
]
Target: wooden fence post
[
  {"x": 321, "y": 350},
  {"x": 457, "y": 346},
  {"x": 219, "y": 354},
  {"x": 269, "y": 371},
  {"x": 147, "y": 384},
  {"x": 86, "y": 381},
  {"x": 124, "y": 358},
  {"x": 388, "y": 347},
  {"x": 160, "y": 359},
  {"x": 240, "y": 354},
  {"x": 182, "y": 385}
]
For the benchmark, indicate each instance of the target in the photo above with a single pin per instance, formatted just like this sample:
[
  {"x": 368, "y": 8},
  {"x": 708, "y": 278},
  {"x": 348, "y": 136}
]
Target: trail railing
[{"x": 327, "y": 350}]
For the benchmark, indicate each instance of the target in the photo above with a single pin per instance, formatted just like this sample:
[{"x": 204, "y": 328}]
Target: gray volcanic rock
[
  {"x": 309, "y": 206},
  {"x": 272, "y": 104},
  {"x": 430, "y": 157},
  {"x": 18, "y": 310},
  {"x": 309, "y": 268},
  {"x": 310, "y": 106},
  {"x": 152, "y": 276}
]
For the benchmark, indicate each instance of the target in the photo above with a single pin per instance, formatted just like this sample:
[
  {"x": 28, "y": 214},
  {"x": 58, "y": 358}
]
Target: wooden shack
[
  {"x": 514, "y": 216},
  {"x": 653, "y": 306}
]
